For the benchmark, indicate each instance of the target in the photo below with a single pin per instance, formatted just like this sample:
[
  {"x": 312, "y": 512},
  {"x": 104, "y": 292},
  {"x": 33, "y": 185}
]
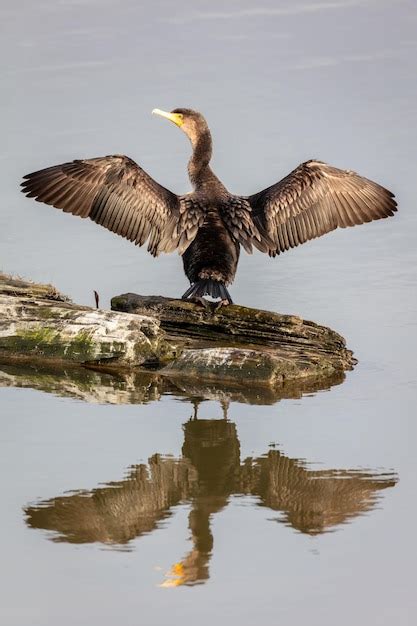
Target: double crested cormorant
[{"x": 208, "y": 225}]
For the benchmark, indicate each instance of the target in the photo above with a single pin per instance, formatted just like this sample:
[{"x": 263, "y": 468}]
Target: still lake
[{"x": 116, "y": 506}]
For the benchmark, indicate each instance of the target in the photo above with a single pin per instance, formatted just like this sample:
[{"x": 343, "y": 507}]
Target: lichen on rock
[
  {"x": 36, "y": 326},
  {"x": 240, "y": 343},
  {"x": 182, "y": 340}
]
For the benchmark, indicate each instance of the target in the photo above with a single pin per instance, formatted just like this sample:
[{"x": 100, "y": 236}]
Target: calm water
[{"x": 116, "y": 505}]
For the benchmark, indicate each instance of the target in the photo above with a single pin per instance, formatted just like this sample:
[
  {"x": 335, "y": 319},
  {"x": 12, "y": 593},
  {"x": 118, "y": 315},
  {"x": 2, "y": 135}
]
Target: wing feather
[
  {"x": 313, "y": 200},
  {"x": 116, "y": 193},
  {"x": 236, "y": 214}
]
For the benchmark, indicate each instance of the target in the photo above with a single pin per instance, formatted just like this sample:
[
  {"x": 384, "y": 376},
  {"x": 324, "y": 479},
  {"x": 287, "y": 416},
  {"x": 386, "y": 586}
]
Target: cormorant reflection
[{"x": 207, "y": 474}]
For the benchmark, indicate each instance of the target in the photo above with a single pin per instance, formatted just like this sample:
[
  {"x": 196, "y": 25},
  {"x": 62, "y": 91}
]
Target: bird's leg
[
  {"x": 225, "y": 407},
  {"x": 195, "y": 404}
]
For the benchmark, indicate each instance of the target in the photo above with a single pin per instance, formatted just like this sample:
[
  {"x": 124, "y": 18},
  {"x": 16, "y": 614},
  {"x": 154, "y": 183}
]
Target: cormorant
[{"x": 208, "y": 225}]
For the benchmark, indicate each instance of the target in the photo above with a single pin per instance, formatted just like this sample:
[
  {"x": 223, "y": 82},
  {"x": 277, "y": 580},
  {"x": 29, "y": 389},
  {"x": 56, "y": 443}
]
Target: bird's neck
[{"x": 199, "y": 171}]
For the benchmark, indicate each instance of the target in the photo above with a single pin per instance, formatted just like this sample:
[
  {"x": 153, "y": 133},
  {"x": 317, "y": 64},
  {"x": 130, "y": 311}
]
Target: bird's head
[{"x": 191, "y": 122}]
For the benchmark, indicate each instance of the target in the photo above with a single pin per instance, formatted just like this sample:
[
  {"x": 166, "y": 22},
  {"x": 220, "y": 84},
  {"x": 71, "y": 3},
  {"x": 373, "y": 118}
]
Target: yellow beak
[{"x": 176, "y": 118}]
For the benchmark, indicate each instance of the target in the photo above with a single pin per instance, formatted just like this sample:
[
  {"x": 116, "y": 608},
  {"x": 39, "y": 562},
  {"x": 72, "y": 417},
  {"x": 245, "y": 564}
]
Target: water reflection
[
  {"x": 207, "y": 474},
  {"x": 110, "y": 387}
]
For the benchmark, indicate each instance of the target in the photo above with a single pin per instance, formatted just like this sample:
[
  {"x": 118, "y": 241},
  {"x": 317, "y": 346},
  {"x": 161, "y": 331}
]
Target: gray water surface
[{"x": 117, "y": 507}]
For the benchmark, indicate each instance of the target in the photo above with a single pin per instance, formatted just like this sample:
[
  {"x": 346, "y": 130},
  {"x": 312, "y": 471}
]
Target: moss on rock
[
  {"x": 34, "y": 325},
  {"x": 236, "y": 344}
]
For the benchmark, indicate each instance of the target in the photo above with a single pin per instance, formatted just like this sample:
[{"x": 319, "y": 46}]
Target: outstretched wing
[
  {"x": 116, "y": 193},
  {"x": 313, "y": 200}
]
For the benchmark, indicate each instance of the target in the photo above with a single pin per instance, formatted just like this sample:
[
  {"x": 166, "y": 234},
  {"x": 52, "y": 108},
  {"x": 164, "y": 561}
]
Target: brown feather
[
  {"x": 116, "y": 193},
  {"x": 209, "y": 225},
  {"x": 313, "y": 200}
]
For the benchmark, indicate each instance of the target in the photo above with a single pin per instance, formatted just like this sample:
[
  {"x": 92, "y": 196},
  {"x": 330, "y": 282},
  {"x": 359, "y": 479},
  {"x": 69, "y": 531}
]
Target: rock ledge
[
  {"x": 182, "y": 340},
  {"x": 240, "y": 343}
]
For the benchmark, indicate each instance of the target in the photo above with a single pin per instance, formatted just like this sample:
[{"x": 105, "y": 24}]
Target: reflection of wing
[
  {"x": 206, "y": 476},
  {"x": 116, "y": 193},
  {"x": 313, "y": 501},
  {"x": 315, "y": 199},
  {"x": 117, "y": 513}
]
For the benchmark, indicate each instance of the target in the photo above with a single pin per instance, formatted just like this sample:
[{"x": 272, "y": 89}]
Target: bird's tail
[{"x": 209, "y": 289}]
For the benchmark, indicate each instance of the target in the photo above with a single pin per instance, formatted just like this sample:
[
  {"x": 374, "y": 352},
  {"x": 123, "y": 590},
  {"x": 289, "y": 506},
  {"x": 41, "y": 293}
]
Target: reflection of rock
[
  {"x": 206, "y": 475},
  {"x": 85, "y": 384},
  {"x": 138, "y": 387},
  {"x": 248, "y": 394},
  {"x": 311, "y": 501}
]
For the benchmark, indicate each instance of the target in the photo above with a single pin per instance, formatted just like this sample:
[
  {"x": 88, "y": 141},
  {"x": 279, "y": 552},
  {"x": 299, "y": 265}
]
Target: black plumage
[{"x": 208, "y": 225}]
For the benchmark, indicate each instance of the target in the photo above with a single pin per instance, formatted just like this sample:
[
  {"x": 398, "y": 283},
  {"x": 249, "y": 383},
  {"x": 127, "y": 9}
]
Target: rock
[
  {"x": 240, "y": 343},
  {"x": 19, "y": 288},
  {"x": 234, "y": 346},
  {"x": 37, "y": 322},
  {"x": 227, "y": 364}
]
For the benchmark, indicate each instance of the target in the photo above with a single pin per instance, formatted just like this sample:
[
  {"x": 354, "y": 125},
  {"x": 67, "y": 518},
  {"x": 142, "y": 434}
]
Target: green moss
[
  {"x": 48, "y": 342},
  {"x": 167, "y": 352},
  {"x": 245, "y": 314},
  {"x": 117, "y": 303},
  {"x": 42, "y": 335},
  {"x": 44, "y": 312},
  {"x": 81, "y": 348}
]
